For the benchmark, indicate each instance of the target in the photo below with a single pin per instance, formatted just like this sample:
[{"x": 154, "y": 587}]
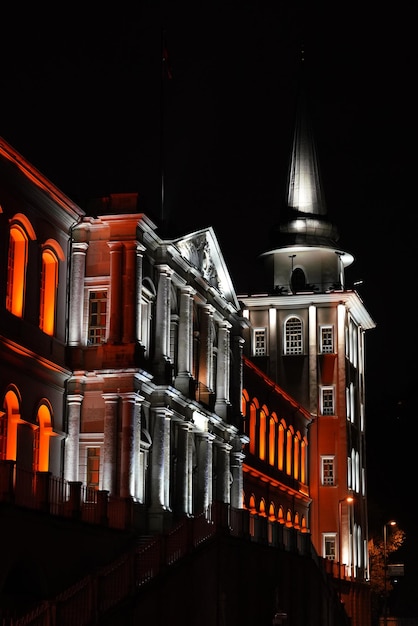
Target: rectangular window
[
  {"x": 326, "y": 340},
  {"x": 259, "y": 342},
  {"x": 327, "y": 470},
  {"x": 329, "y": 546},
  {"x": 327, "y": 401},
  {"x": 97, "y": 317},
  {"x": 93, "y": 468}
]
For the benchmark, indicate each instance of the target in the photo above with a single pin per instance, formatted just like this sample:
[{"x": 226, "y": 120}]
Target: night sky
[{"x": 84, "y": 100}]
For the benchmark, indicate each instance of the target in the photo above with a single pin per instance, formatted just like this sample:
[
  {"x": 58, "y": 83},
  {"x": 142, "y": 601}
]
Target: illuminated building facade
[
  {"x": 124, "y": 387},
  {"x": 155, "y": 349},
  {"x": 307, "y": 334}
]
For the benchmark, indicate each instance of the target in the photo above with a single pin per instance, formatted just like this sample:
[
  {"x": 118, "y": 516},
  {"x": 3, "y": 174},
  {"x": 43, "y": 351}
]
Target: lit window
[
  {"x": 328, "y": 470},
  {"x": 329, "y": 546},
  {"x": 97, "y": 317},
  {"x": 327, "y": 401},
  {"x": 42, "y": 437},
  {"x": 293, "y": 336},
  {"x": 326, "y": 340},
  {"x": 93, "y": 468},
  {"x": 259, "y": 342},
  {"x": 49, "y": 284},
  {"x": 16, "y": 270}
]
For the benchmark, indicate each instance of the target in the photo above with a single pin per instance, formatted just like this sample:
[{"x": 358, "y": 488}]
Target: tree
[{"x": 394, "y": 541}]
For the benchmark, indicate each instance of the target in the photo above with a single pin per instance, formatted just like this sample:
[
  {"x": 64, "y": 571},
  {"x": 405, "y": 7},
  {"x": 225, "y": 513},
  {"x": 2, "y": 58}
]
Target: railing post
[
  {"x": 221, "y": 517},
  {"x": 102, "y": 507},
  {"x": 75, "y": 498},
  {"x": 42, "y": 495}
]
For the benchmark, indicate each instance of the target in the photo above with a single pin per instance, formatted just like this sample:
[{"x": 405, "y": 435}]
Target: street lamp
[
  {"x": 348, "y": 500},
  {"x": 385, "y": 568}
]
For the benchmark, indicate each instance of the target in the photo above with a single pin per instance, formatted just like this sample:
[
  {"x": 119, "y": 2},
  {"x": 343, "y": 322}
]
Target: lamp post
[
  {"x": 348, "y": 500},
  {"x": 385, "y": 568}
]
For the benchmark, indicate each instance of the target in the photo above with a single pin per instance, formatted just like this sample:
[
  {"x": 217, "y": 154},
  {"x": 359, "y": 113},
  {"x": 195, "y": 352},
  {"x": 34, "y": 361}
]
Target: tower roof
[{"x": 304, "y": 219}]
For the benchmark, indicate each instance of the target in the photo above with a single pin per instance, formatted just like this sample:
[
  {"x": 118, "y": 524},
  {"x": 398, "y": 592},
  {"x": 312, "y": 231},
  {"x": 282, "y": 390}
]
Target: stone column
[
  {"x": 110, "y": 442},
  {"x": 204, "y": 472},
  {"x": 184, "y": 502},
  {"x": 72, "y": 443},
  {"x": 162, "y": 323},
  {"x": 138, "y": 469},
  {"x": 115, "y": 322},
  {"x": 160, "y": 458},
  {"x": 223, "y": 475},
  {"x": 138, "y": 290},
  {"x": 127, "y": 448},
  {"x": 237, "y": 487},
  {"x": 222, "y": 373},
  {"x": 128, "y": 335},
  {"x": 185, "y": 341},
  {"x": 206, "y": 347},
  {"x": 76, "y": 298}
]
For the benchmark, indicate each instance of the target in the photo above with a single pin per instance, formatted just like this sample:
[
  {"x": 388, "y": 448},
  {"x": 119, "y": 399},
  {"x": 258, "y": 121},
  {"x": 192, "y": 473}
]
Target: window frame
[
  {"x": 327, "y": 477},
  {"x": 331, "y": 540},
  {"x": 324, "y": 343},
  {"x": 259, "y": 332},
  {"x": 101, "y": 338},
  {"x": 293, "y": 340},
  {"x": 324, "y": 407}
]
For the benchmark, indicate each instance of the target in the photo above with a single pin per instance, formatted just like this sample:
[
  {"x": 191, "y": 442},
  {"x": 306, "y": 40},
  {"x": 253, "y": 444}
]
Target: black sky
[{"x": 82, "y": 99}]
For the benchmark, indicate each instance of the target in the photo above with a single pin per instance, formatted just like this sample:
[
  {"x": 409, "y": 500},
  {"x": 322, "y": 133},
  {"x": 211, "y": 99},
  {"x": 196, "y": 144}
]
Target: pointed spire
[
  {"x": 304, "y": 222},
  {"x": 304, "y": 185}
]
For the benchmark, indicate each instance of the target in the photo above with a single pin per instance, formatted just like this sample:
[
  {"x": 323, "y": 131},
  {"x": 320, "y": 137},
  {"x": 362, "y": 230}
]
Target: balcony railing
[{"x": 94, "y": 595}]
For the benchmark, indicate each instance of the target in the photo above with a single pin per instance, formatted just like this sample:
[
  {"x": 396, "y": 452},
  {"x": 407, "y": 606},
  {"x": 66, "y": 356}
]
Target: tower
[{"x": 307, "y": 333}]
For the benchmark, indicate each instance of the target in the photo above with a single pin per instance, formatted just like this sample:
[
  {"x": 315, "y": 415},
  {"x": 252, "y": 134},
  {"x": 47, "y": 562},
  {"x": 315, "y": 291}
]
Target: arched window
[
  {"x": 289, "y": 451},
  {"x": 293, "y": 338},
  {"x": 296, "y": 457},
  {"x": 262, "y": 434},
  {"x": 12, "y": 419},
  {"x": 272, "y": 439},
  {"x": 21, "y": 232},
  {"x": 280, "y": 515},
  {"x": 280, "y": 447},
  {"x": 262, "y": 508},
  {"x": 49, "y": 283},
  {"x": 252, "y": 428},
  {"x": 42, "y": 436},
  {"x": 298, "y": 280},
  {"x": 303, "y": 461}
]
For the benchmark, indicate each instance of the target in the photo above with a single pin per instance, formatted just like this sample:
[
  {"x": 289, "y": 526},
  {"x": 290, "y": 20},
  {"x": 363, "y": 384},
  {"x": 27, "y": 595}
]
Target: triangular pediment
[{"x": 202, "y": 250}]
